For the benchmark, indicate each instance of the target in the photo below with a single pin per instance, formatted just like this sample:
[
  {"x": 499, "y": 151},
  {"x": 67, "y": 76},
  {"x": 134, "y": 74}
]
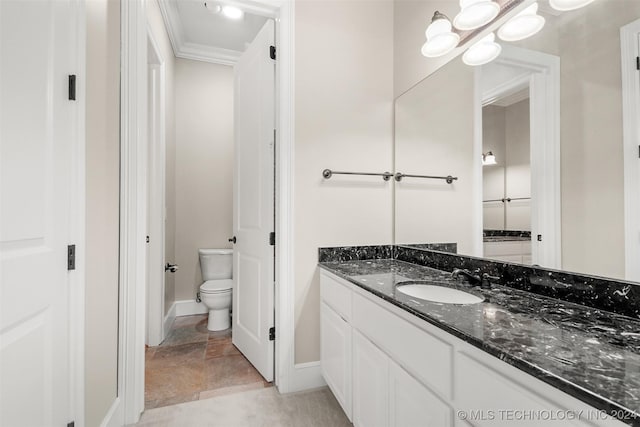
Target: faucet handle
[{"x": 488, "y": 279}]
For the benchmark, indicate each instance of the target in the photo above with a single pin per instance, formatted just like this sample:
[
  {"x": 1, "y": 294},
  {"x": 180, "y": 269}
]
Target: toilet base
[{"x": 219, "y": 320}]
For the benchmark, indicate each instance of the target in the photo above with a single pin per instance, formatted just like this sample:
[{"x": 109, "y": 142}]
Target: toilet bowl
[{"x": 216, "y": 266}]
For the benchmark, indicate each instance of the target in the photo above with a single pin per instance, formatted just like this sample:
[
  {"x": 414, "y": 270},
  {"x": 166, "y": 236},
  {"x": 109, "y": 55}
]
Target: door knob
[{"x": 233, "y": 240}]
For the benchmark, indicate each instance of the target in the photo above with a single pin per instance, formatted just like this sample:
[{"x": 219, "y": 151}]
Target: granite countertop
[
  {"x": 591, "y": 354},
  {"x": 506, "y": 239}
]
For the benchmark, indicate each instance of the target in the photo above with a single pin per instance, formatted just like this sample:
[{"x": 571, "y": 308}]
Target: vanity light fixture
[
  {"x": 488, "y": 159},
  {"x": 523, "y": 25},
  {"x": 564, "y": 5},
  {"x": 440, "y": 39},
  {"x": 483, "y": 52},
  {"x": 475, "y": 14},
  {"x": 230, "y": 12}
]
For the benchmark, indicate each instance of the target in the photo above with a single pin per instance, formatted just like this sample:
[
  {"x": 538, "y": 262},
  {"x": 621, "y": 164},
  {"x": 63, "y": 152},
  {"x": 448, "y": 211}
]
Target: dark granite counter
[
  {"x": 506, "y": 236},
  {"x": 506, "y": 239},
  {"x": 591, "y": 354}
]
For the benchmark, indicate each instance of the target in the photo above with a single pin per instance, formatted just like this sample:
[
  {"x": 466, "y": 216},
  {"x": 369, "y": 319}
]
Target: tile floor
[
  {"x": 193, "y": 363},
  {"x": 253, "y": 408}
]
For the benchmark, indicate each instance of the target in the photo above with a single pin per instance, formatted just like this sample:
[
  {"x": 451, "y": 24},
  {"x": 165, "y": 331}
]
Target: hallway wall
[
  {"x": 204, "y": 166},
  {"x": 102, "y": 207}
]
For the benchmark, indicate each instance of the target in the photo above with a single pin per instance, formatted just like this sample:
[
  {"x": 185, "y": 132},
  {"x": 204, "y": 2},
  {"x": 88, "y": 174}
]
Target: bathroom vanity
[{"x": 516, "y": 358}]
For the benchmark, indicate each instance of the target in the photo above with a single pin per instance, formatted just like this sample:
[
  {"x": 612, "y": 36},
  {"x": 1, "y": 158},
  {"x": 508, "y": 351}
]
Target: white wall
[
  {"x": 518, "y": 165},
  {"x": 102, "y": 207},
  {"x": 204, "y": 166},
  {"x": 431, "y": 139},
  {"x": 493, "y": 139},
  {"x": 156, "y": 25},
  {"x": 344, "y": 121}
]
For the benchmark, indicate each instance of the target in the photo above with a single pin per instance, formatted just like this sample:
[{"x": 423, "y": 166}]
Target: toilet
[{"x": 216, "y": 266}]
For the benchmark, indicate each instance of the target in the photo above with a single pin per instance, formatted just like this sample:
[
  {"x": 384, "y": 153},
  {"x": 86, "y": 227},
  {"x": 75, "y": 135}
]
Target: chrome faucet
[{"x": 474, "y": 279}]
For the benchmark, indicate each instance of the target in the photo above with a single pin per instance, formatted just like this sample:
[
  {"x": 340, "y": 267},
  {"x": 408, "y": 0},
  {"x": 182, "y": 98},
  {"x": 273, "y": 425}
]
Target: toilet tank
[{"x": 216, "y": 263}]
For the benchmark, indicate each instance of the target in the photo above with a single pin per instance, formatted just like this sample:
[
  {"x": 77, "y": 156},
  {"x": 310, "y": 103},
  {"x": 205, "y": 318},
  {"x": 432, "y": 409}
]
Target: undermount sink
[{"x": 435, "y": 293}]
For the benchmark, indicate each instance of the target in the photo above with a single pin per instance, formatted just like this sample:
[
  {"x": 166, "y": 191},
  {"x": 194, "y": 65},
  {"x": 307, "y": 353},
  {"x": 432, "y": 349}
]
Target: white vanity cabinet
[
  {"x": 387, "y": 367},
  {"x": 335, "y": 354},
  {"x": 518, "y": 251}
]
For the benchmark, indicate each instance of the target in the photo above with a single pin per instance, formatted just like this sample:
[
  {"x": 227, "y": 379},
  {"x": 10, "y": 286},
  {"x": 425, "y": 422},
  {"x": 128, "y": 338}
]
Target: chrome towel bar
[
  {"x": 448, "y": 178},
  {"x": 328, "y": 173}
]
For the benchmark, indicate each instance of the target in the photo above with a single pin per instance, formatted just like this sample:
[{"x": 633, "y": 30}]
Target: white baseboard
[
  {"x": 115, "y": 415},
  {"x": 168, "y": 320},
  {"x": 306, "y": 376},
  {"x": 189, "y": 307}
]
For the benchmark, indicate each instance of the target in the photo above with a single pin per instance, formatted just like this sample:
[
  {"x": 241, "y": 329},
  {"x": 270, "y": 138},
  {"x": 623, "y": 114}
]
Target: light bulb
[
  {"x": 232, "y": 12},
  {"x": 488, "y": 159},
  {"x": 483, "y": 52},
  {"x": 475, "y": 14},
  {"x": 523, "y": 25},
  {"x": 564, "y": 5},
  {"x": 440, "y": 39}
]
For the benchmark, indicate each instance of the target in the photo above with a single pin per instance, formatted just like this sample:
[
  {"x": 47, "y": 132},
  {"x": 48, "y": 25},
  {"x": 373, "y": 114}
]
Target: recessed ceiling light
[
  {"x": 232, "y": 12},
  {"x": 475, "y": 14},
  {"x": 523, "y": 25},
  {"x": 228, "y": 11}
]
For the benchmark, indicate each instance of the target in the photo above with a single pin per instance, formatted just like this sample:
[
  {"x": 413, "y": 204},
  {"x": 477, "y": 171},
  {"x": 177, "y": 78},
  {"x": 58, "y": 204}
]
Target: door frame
[
  {"x": 133, "y": 212},
  {"x": 542, "y": 74},
  {"x": 156, "y": 197},
  {"x": 630, "y": 50},
  {"x": 77, "y": 228}
]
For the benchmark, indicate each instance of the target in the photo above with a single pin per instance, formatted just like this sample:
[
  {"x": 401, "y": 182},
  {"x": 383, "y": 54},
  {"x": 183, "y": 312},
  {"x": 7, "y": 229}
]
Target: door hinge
[
  {"x": 639, "y": 151},
  {"x": 72, "y": 87},
  {"x": 71, "y": 257},
  {"x": 637, "y": 62},
  {"x": 272, "y": 238},
  {"x": 272, "y": 52},
  {"x": 272, "y": 333}
]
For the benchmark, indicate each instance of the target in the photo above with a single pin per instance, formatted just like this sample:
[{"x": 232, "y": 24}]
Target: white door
[
  {"x": 253, "y": 202},
  {"x": 38, "y": 140}
]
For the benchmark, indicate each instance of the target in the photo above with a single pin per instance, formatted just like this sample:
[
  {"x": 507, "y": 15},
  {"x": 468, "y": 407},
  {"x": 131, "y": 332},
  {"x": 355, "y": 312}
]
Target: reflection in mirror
[
  {"x": 550, "y": 109},
  {"x": 506, "y": 186}
]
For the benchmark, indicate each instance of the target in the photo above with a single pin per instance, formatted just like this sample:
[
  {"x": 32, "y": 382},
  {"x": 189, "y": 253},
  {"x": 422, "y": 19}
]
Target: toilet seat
[{"x": 216, "y": 286}]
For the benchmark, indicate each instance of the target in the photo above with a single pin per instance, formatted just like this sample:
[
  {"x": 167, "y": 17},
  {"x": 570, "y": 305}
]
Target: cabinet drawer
[
  {"x": 335, "y": 295},
  {"x": 497, "y": 400},
  {"x": 427, "y": 358}
]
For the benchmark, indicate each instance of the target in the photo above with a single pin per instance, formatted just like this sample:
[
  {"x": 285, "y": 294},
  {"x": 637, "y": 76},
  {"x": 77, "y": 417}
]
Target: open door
[
  {"x": 39, "y": 140},
  {"x": 253, "y": 202}
]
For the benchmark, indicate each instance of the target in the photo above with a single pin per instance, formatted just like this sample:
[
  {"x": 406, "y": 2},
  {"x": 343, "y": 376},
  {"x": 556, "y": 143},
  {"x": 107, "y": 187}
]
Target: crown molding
[
  {"x": 200, "y": 52},
  {"x": 214, "y": 55}
]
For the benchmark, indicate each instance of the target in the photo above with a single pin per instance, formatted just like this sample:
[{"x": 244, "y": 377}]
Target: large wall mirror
[{"x": 543, "y": 142}]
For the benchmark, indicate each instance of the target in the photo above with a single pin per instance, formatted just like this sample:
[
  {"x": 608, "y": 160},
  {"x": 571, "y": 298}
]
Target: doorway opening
[
  {"x": 506, "y": 173},
  {"x": 521, "y": 197},
  {"x": 210, "y": 217}
]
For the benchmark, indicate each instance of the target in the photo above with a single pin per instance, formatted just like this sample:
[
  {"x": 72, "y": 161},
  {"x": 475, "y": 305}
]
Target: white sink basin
[{"x": 439, "y": 294}]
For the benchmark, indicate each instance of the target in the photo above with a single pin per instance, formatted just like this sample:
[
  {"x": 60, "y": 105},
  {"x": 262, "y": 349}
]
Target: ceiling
[{"x": 198, "y": 33}]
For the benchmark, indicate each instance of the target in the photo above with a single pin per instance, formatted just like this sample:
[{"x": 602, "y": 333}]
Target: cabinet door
[
  {"x": 412, "y": 404},
  {"x": 370, "y": 384},
  {"x": 335, "y": 355}
]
